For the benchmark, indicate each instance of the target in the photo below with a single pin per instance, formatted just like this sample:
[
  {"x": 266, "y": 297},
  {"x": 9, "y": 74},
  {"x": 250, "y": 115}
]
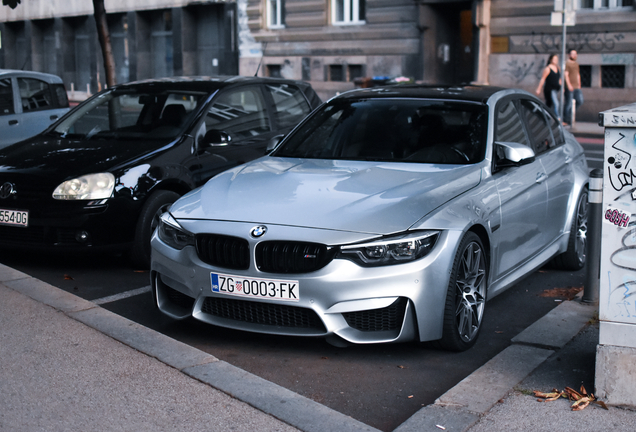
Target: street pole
[
  {"x": 594, "y": 220},
  {"x": 563, "y": 15}
]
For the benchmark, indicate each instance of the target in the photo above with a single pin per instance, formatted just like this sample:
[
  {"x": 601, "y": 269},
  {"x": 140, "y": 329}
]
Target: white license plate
[
  {"x": 255, "y": 287},
  {"x": 18, "y": 218}
]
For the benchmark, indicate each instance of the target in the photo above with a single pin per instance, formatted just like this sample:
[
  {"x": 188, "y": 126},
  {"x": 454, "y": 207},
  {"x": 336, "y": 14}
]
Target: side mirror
[
  {"x": 215, "y": 137},
  {"x": 272, "y": 143},
  {"x": 513, "y": 154}
]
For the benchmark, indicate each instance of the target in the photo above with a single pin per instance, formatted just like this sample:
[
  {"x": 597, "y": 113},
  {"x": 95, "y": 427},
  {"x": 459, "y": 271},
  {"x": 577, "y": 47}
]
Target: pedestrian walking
[
  {"x": 551, "y": 83},
  {"x": 572, "y": 77}
]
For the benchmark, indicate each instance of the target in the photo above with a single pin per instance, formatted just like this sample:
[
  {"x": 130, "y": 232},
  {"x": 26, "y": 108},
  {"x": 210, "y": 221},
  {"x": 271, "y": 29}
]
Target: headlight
[
  {"x": 391, "y": 250},
  {"x": 172, "y": 234},
  {"x": 88, "y": 187}
]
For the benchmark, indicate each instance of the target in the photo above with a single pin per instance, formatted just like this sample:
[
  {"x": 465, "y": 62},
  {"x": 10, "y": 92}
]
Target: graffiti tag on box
[
  {"x": 617, "y": 217},
  {"x": 621, "y": 174}
]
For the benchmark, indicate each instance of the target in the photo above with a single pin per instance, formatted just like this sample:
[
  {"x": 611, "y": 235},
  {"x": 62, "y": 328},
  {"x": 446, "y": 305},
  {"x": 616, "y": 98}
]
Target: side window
[
  {"x": 60, "y": 94},
  {"x": 538, "y": 129},
  {"x": 557, "y": 132},
  {"x": 509, "y": 125},
  {"x": 6, "y": 97},
  {"x": 289, "y": 103},
  {"x": 239, "y": 112},
  {"x": 35, "y": 94}
]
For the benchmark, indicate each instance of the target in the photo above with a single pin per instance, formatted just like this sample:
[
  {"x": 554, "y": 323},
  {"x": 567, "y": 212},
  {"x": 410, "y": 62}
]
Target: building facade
[
  {"x": 150, "y": 38},
  {"x": 336, "y": 45}
]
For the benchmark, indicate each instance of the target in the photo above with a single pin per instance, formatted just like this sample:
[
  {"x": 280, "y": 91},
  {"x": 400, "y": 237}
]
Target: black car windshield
[
  {"x": 131, "y": 115},
  {"x": 392, "y": 130}
]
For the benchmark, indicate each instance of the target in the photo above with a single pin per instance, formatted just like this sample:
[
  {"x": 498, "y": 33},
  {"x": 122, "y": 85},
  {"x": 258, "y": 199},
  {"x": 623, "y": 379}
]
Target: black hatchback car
[{"x": 102, "y": 174}]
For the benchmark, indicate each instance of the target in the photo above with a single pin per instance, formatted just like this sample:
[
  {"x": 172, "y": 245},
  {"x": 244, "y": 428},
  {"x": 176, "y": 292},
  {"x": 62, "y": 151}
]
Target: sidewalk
[
  {"x": 67, "y": 364},
  {"x": 588, "y": 130}
]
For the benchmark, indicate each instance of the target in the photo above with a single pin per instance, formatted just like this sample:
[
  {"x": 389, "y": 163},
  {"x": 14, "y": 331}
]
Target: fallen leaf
[
  {"x": 410, "y": 397},
  {"x": 601, "y": 404},
  {"x": 568, "y": 293},
  {"x": 68, "y": 277},
  {"x": 581, "y": 404},
  {"x": 581, "y": 398}
]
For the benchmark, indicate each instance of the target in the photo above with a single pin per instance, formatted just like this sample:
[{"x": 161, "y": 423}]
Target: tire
[
  {"x": 466, "y": 296},
  {"x": 153, "y": 208},
  {"x": 574, "y": 257}
]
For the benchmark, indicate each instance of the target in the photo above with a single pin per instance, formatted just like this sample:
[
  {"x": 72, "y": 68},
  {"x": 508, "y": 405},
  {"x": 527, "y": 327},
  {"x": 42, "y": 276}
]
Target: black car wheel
[
  {"x": 574, "y": 257},
  {"x": 466, "y": 297},
  {"x": 155, "y": 206}
]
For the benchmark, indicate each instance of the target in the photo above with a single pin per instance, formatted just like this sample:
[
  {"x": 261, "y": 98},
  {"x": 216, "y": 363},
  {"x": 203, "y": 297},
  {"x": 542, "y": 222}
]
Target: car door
[
  {"x": 523, "y": 196},
  {"x": 242, "y": 114},
  {"x": 36, "y": 109},
  {"x": 547, "y": 141},
  {"x": 9, "y": 119},
  {"x": 557, "y": 162}
]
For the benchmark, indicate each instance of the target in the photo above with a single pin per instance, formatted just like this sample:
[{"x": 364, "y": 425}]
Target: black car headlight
[
  {"x": 172, "y": 234},
  {"x": 88, "y": 187},
  {"x": 391, "y": 250}
]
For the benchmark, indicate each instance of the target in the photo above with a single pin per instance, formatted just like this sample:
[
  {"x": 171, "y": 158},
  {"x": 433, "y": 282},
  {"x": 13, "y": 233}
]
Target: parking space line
[{"x": 121, "y": 296}]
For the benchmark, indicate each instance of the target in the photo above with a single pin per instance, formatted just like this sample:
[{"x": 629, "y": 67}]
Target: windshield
[
  {"x": 131, "y": 115},
  {"x": 392, "y": 130}
]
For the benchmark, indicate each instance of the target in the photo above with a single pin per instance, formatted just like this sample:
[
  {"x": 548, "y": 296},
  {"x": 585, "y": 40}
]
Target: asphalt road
[{"x": 380, "y": 385}]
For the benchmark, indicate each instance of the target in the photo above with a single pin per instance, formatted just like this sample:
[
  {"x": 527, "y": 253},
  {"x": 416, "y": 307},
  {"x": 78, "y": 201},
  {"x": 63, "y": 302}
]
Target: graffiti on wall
[
  {"x": 618, "y": 260},
  {"x": 543, "y": 43},
  {"x": 517, "y": 70}
]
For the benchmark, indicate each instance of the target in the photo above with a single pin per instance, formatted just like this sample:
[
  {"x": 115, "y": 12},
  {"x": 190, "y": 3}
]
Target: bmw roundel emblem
[{"x": 258, "y": 231}]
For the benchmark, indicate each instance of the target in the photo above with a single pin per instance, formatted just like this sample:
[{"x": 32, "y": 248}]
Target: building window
[
  {"x": 275, "y": 14},
  {"x": 355, "y": 71},
  {"x": 347, "y": 11},
  {"x": 604, "y": 4},
  {"x": 161, "y": 44},
  {"x": 336, "y": 73},
  {"x": 274, "y": 71},
  {"x": 613, "y": 76},
  {"x": 586, "y": 75}
]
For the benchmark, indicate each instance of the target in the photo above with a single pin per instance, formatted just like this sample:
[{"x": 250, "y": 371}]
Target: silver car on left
[{"x": 29, "y": 103}]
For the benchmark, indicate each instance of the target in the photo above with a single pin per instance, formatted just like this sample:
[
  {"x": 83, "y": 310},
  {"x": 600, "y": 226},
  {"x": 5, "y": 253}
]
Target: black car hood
[{"x": 64, "y": 158}]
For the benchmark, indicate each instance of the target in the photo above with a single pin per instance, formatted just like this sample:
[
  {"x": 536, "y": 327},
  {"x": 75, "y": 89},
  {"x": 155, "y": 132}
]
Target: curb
[{"x": 458, "y": 409}]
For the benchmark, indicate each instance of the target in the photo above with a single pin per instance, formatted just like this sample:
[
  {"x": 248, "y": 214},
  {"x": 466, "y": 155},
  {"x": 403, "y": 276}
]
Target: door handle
[
  {"x": 568, "y": 159},
  {"x": 13, "y": 122},
  {"x": 541, "y": 177},
  {"x": 53, "y": 117}
]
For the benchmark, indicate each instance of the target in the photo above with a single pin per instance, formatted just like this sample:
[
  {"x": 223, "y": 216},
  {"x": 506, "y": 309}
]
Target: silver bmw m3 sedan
[{"x": 389, "y": 214}]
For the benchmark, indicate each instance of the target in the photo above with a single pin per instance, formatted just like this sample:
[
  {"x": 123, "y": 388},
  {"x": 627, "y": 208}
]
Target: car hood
[
  {"x": 370, "y": 197},
  {"x": 60, "y": 158}
]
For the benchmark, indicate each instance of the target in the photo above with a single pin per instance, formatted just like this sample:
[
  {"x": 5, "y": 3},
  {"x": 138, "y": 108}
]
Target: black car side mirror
[{"x": 215, "y": 137}]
